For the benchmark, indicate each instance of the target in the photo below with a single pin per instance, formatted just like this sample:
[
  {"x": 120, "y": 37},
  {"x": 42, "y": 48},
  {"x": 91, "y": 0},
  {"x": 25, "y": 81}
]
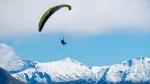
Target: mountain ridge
[{"x": 68, "y": 70}]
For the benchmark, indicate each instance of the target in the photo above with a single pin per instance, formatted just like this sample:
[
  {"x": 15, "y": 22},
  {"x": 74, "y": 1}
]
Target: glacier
[{"x": 70, "y": 71}]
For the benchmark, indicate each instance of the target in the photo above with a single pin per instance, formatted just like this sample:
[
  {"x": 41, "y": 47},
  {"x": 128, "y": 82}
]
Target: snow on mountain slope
[
  {"x": 98, "y": 72},
  {"x": 19, "y": 65},
  {"x": 135, "y": 70},
  {"x": 59, "y": 71},
  {"x": 66, "y": 69}
]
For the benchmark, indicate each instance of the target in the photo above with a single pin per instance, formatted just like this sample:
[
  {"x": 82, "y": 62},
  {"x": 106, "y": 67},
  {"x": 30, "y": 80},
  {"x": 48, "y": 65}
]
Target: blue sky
[
  {"x": 99, "y": 32},
  {"x": 94, "y": 50}
]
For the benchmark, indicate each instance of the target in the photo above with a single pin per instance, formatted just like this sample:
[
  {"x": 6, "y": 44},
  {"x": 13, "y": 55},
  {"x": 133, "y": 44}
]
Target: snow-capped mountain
[
  {"x": 19, "y": 65},
  {"x": 70, "y": 71}
]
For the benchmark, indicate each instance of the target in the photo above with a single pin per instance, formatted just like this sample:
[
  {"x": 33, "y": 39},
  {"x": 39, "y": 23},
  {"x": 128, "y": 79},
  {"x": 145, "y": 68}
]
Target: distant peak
[
  {"x": 69, "y": 59},
  {"x": 137, "y": 58}
]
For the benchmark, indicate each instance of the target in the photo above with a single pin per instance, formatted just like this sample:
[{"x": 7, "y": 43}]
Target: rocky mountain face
[{"x": 6, "y": 78}]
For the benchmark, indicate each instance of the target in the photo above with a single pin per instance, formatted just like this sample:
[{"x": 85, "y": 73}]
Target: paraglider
[
  {"x": 63, "y": 42},
  {"x": 49, "y": 13}
]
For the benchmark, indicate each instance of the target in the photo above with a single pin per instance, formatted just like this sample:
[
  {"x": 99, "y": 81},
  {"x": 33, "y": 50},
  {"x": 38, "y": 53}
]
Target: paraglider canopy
[{"x": 50, "y": 12}]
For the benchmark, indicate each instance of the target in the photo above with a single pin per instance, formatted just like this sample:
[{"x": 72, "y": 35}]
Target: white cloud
[
  {"x": 7, "y": 55},
  {"x": 87, "y": 16}
]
